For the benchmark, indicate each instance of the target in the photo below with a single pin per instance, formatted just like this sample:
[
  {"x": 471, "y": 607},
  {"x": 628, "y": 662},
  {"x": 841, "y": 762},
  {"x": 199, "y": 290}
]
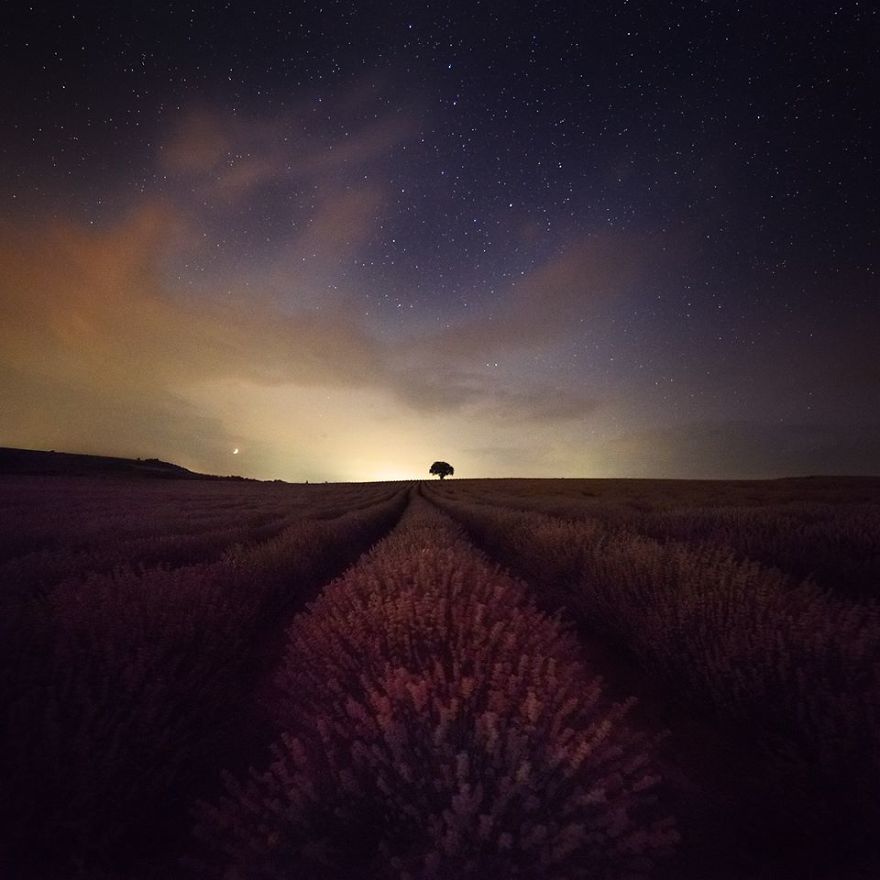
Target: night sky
[{"x": 530, "y": 239}]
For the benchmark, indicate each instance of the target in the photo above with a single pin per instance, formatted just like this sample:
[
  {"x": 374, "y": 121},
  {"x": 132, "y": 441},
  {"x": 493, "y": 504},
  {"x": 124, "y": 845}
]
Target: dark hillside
[{"x": 32, "y": 461}]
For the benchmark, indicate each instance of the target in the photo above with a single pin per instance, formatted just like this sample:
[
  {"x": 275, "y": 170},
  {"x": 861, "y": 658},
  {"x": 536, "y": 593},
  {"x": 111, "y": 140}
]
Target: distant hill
[{"x": 35, "y": 462}]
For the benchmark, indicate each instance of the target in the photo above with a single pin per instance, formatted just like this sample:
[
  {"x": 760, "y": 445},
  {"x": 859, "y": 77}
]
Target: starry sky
[{"x": 531, "y": 239}]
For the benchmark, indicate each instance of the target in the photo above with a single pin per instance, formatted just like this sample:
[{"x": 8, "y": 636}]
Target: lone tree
[{"x": 442, "y": 469}]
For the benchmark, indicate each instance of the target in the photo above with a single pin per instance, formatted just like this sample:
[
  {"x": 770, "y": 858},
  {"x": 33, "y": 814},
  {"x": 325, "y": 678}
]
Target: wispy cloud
[
  {"x": 551, "y": 302},
  {"x": 227, "y": 155}
]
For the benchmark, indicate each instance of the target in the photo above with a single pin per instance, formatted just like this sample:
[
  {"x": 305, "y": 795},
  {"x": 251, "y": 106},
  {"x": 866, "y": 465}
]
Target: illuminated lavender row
[{"x": 434, "y": 723}]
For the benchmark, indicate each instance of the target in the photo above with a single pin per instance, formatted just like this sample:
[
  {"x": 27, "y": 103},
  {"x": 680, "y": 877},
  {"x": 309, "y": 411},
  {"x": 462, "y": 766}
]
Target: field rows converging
[
  {"x": 47, "y": 543},
  {"x": 412, "y": 680},
  {"x": 126, "y": 692},
  {"x": 432, "y": 722},
  {"x": 812, "y": 533},
  {"x": 790, "y": 672}
]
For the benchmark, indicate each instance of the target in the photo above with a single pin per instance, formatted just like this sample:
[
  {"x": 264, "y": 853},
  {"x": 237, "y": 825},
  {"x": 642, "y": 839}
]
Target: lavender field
[{"x": 468, "y": 678}]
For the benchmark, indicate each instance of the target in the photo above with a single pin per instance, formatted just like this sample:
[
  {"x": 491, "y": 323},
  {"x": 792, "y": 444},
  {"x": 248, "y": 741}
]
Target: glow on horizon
[{"x": 392, "y": 474}]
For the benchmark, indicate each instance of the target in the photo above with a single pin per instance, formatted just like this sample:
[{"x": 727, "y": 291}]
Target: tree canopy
[{"x": 442, "y": 469}]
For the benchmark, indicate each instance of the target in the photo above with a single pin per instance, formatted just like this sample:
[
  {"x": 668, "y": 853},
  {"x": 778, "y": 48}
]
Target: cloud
[
  {"x": 199, "y": 144},
  {"x": 227, "y": 155},
  {"x": 551, "y": 302},
  {"x": 91, "y": 325},
  {"x": 88, "y": 325},
  {"x": 340, "y": 225},
  {"x": 102, "y": 350},
  {"x": 450, "y": 368},
  {"x": 104, "y": 342},
  {"x": 95, "y": 304},
  {"x": 545, "y": 404}
]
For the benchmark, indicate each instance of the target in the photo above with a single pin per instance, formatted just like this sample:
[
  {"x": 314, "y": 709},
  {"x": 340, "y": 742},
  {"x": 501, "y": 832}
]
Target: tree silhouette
[{"x": 441, "y": 469}]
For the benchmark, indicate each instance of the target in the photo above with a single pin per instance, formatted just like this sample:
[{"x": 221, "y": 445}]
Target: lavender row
[
  {"x": 434, "y": 723},
  {"x": 27, "y": 576},
  {"x": 69, "y": 514},
  {"x": 146, "y": 538},
  {"x": 796, "y": 671},
  {"x": 836, "y": 547},
  {"x": 835, "y": 542},
  {"x": 124, "y": 690}
]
